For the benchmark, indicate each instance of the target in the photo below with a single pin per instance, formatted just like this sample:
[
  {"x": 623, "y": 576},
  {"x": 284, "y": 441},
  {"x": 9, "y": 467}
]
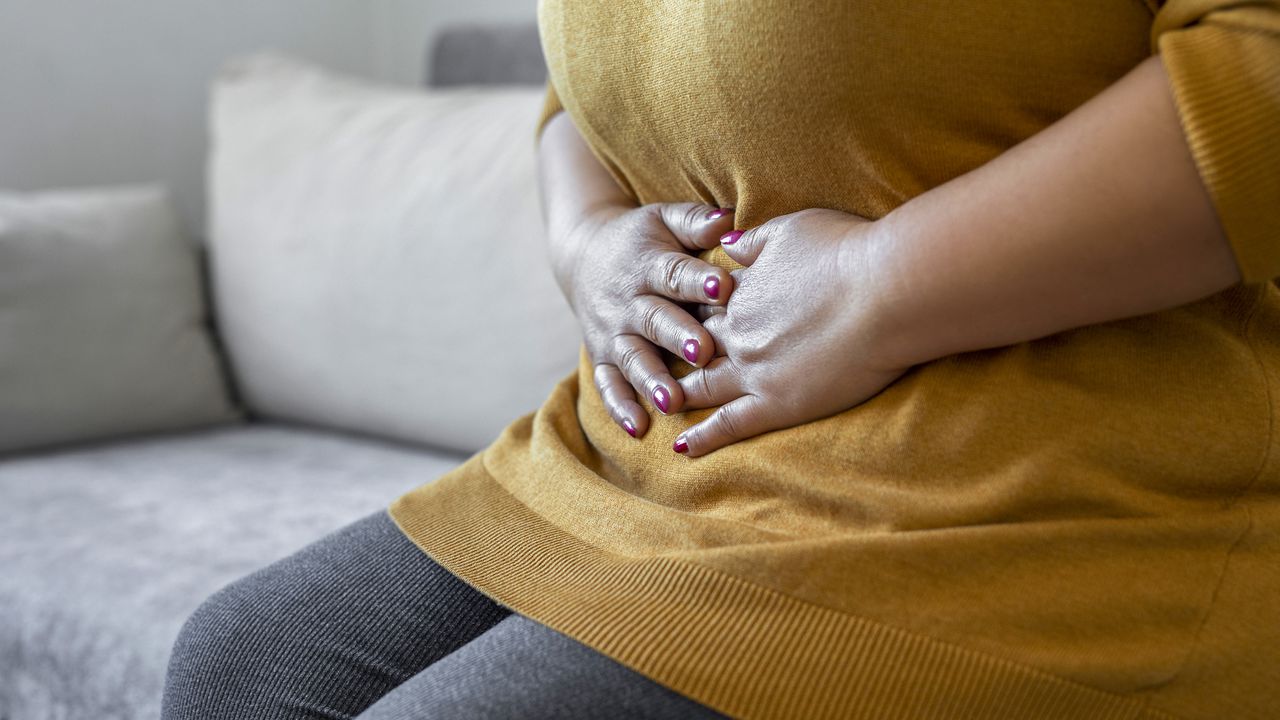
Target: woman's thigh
[
  {"x": 522, "y": 669},
  {"x": 325, "y": 632}
]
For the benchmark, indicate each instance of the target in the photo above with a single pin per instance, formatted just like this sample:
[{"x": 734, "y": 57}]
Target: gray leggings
[{"x": 364, "y": 624}]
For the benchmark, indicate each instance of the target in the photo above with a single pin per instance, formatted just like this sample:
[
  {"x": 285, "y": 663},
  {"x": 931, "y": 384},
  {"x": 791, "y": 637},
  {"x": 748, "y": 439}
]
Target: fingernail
[
  {"x": 717, "y": 214},
  {"x": 661, "y": 399},
  {"x": 629, "y": 427},
  {"x": 691, "y": 350},
  {"x": 681, "y": 446},
  {"x": 730, "y": 238},
  {"x": 711, "y": 286}
]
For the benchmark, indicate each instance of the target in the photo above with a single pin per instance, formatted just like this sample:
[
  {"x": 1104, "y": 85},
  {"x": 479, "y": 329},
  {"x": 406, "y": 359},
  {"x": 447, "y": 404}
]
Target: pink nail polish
[
  {"x": 730, "y": 238},
  {"x": 681, "y": 445},
  {"x": 691, "y": 349},
  {"x": 717, "y": 214},
  {"x": 711, "y": 286},
  {"x": 661, "y": 398},
  {"x": 629, "y": 427}
]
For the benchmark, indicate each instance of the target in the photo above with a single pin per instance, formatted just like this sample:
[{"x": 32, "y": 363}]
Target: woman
[{"x": 928, "y": 372}]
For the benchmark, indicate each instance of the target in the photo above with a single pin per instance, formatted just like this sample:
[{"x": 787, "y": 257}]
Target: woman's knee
[
  {"x": 260, "y": 617},
  {"x": 225, "y": 646},
  {"x": 219, "y": 651},
  {"x": 222, "y": 626}
]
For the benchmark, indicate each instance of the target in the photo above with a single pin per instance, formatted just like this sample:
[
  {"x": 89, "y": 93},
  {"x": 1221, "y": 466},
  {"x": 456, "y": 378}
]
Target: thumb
[
  {"x": 696, "y": 226},
  {"x": 745, "y": 246}
]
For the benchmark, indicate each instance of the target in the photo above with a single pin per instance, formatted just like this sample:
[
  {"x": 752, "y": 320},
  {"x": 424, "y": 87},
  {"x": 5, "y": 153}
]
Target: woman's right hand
[{"x": 624, "y": 270}]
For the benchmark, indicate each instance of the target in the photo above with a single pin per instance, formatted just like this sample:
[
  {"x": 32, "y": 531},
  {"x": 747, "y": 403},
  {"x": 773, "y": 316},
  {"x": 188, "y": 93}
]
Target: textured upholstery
[
  {"x": 487, "y": 55},
  {"x": 106, "y": 549}
]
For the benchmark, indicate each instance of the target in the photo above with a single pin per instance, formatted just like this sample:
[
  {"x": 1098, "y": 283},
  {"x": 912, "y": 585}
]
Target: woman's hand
[
  {"x": 802, "y": 336},
  {"x": 624, "y": 269}
]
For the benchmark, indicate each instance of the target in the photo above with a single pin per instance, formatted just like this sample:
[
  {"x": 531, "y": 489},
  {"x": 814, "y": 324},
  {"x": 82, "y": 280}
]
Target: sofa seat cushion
[{"x": 106, "y": 550}]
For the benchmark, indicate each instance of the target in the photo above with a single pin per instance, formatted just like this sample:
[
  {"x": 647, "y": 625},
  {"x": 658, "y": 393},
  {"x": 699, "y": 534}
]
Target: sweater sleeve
[
  {"x": 550, "y": 106},
  {"x": 1223, "y": 61}
]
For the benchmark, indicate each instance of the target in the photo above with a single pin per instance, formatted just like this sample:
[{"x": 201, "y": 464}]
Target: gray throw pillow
[{"x": 102, "y": 320}]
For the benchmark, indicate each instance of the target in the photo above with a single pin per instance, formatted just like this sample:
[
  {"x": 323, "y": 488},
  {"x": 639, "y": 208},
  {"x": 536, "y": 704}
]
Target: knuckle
[
  {"x": 607, "y": 388},
  {"x": 672, "y": 272},
  {"x": 713, "y": 324},
  {"x": 729, "y": 421},
  {"x": 601, "y": 376},
  {"x": 704, "y": 385},
  {"x": 691, "y": 215},
  {"x": 629, "y": 357},
  {"x": 647, "y": 271},
  {"x": 734, "y": 368},
  {"x": 650, "y": 320}
]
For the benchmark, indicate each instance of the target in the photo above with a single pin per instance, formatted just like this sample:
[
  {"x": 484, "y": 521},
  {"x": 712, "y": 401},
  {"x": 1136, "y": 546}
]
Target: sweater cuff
[
  {"x": 550, "y": 106},
  {"x": 1225, "y": 74}
]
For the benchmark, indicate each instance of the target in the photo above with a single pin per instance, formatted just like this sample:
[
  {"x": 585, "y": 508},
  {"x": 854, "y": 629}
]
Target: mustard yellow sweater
[{"x": 1084, "y": 526}]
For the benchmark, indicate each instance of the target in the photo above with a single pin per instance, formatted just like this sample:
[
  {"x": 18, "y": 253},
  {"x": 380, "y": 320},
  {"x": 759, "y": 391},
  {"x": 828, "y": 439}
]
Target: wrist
[
  {"x": 893, "y": 330},
  {"x": 568, "y": 239},
  {"x": 941, "y": 295}
]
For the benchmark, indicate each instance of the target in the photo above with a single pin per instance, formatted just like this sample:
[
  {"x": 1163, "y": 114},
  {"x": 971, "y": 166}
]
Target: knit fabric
[
  {"x": 523, "y": 670},
  {"x": 1086, "y": 525}
]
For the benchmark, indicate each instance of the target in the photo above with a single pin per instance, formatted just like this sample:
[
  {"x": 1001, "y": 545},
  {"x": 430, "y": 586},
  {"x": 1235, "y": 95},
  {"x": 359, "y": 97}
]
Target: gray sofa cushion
[
  {"x": 105, "y": 550},
  {"x": 489, "y": 54}
]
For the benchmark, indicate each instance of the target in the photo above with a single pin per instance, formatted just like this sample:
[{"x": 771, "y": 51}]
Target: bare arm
[
  {"x": 573, "y": 182},
  {"x": 1100, "y": 216}
]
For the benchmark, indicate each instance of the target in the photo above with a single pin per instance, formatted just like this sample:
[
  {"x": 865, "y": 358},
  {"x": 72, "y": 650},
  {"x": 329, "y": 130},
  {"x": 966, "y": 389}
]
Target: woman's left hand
[{"x": 804, "y": 335}]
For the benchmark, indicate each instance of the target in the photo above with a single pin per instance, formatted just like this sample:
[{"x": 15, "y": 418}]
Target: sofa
[{"x": 368, "y": 305}]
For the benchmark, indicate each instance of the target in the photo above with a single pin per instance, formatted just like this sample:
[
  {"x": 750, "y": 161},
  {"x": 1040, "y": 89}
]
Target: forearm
[
  {"x": 1099, "y": 217},
  {"x": 571, "y": 179}
]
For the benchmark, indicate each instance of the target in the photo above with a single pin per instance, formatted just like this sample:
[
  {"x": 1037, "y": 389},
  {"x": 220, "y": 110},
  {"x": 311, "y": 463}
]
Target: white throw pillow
[
  {"x": 102, "y": 320},
  {"x": 378, "y": 253}
]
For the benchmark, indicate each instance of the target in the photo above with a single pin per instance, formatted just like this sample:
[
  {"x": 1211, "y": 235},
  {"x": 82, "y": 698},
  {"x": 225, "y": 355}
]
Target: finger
[
  {"x": 668, "y": 326},
  {"x": 620, "y": 400},
  {"x": 743, "y": 418},
  {"x": 685, "y": 278},
  {"x": 642, "y": 366},
  {"x": 694, "y": 225},
  {"x": 716, "y": 327},
  {"x": 716, "y": 384},
  {"x": 702, "y": 312},
  {"x": 746, "y": 245}
]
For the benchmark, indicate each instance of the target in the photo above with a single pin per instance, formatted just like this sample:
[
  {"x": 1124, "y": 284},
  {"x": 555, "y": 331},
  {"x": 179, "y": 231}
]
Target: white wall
[{"x": 107, "y": 91}]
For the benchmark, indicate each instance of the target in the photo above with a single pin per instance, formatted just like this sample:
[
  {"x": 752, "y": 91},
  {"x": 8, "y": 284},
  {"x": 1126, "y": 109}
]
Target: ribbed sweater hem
[{"x": 744, "y": 650}]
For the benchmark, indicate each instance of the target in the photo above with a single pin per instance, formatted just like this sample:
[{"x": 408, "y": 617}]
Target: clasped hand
[{"x": 799, "y": 334}]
